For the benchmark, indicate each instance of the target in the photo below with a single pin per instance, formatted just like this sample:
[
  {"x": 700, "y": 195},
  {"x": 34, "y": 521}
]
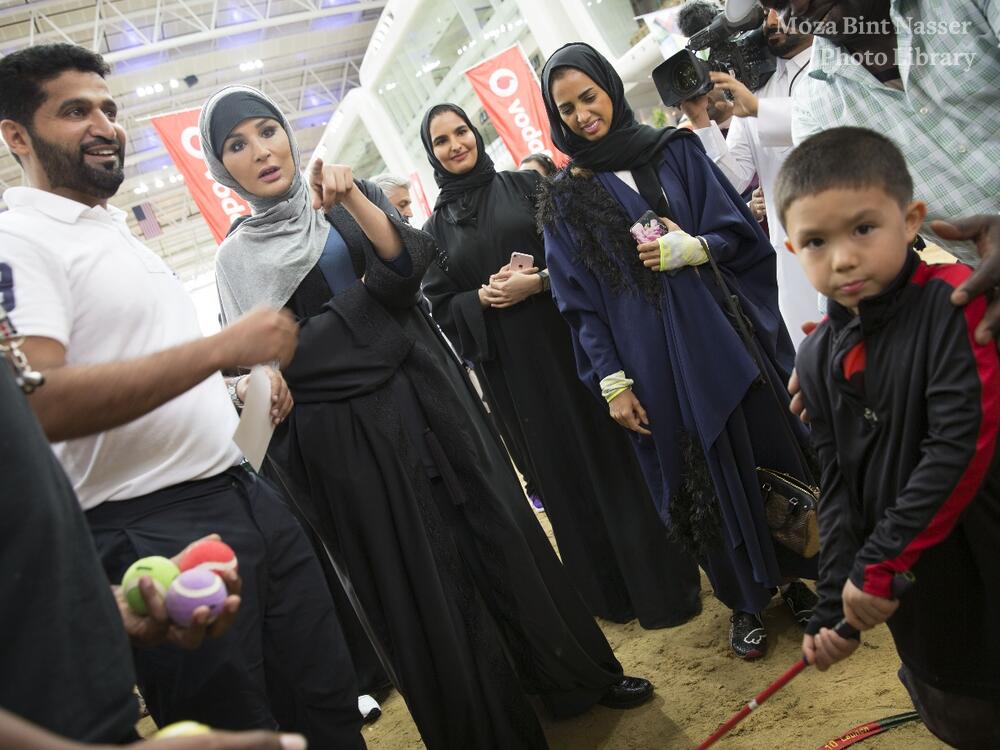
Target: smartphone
[
  {"x": 648, "y": 228},
  {"x": 521, "y": 261}
]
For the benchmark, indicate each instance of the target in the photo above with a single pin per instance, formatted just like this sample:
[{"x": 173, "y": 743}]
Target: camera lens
[{"x": 685, "y": 77}]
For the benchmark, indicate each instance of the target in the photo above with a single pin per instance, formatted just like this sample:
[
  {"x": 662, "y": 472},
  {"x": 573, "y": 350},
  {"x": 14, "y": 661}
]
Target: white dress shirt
[
  {"x": 80, "y": 277},
  {"x": 759, "y": 145}
]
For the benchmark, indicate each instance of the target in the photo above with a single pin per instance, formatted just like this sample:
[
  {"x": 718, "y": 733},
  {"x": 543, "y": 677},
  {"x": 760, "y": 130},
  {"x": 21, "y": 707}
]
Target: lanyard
[
  {"x": 795, "y": 78},
  {"x": 10, "y": 344}
]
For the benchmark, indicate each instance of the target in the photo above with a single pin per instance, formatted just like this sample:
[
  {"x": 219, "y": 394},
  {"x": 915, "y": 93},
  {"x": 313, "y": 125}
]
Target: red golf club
[{"x": 843, "y": 630}]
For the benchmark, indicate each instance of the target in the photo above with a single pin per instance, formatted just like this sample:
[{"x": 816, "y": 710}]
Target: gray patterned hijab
[{"x": 266, "y": 258}]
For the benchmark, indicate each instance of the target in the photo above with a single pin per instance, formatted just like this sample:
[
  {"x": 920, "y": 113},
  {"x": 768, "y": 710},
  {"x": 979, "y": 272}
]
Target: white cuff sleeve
[
  {"x": 774, "y": 121},
  {"x": 713, "y": 141}
]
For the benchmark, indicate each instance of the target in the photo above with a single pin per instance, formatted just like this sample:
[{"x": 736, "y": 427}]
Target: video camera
[{"x": 739, "y": 49}]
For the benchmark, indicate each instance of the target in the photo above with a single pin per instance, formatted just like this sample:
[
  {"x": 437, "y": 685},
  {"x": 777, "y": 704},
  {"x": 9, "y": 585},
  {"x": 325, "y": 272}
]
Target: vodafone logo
[
  {"x": 230, "y": 205},
  {"x": 191, "y": 142},
  {"x": 503, "y": 82}
]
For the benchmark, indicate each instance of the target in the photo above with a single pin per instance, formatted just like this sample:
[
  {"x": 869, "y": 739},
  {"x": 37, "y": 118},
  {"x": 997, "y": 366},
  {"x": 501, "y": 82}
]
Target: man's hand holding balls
[{"x": 142, "y": 597}]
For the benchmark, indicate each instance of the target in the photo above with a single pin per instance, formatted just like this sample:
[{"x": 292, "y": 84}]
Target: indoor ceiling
[{"x": 170, "y": 55}]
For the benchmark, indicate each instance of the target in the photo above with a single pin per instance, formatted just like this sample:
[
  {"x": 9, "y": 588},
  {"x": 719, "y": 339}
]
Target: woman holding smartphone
[
  {"x": 496, "y": 308},
  {"x": 652, "y": 336}
]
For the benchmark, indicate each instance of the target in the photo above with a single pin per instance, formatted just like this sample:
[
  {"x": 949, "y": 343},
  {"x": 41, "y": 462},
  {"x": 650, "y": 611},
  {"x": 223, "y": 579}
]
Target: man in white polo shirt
[{"x": 140, "y": 418}]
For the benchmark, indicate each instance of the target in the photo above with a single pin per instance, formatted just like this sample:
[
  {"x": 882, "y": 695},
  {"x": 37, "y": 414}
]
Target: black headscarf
[
  {"x": 456, "y": 186},
  {"x": 628, "y": 145}
]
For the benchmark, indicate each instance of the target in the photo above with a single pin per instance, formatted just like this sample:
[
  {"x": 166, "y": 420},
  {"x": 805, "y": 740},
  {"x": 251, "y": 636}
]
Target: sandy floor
[{"x": 699, "y": 685}]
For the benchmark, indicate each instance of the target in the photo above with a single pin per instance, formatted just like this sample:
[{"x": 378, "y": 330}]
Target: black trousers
[
  {"x": 962, "y": 721},
  {"x": 286, "y": 637}
]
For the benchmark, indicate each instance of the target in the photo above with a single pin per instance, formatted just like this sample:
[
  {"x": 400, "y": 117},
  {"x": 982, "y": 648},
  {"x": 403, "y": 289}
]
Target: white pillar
[
  {"x": 586, "y": 29},
  {"x": 468, "y": 16},
  {"x": 390, "y": 144},
  {"x": 549, "y": 24}
]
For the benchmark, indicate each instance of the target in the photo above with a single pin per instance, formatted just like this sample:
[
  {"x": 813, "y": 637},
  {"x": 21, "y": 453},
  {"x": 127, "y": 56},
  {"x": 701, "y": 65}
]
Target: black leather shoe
[
  {"x": 628, "y": 693},
  {"x": 801, "y": 600},
  {"x": 747, "y": 636}
]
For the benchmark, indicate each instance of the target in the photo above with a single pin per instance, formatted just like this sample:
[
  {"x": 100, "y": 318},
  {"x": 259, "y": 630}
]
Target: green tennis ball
[
  {"x": 181, "y": 729},
  {"x": 159, "y": 569}
]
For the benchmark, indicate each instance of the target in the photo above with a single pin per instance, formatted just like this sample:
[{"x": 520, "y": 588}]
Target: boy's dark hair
[
  {"x": 842, "y": 158},
  {"x": 22, "y": 74},
  {"x": 543, "y": 161}
]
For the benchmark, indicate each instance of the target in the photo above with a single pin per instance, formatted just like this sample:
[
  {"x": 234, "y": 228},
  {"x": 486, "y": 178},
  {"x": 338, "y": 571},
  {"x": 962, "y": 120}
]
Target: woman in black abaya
[
  {"x": 390, "y": 455},
  {"x": 583, "y": 466}
]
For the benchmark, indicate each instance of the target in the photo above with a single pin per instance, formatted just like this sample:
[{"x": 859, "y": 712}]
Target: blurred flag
[{"x": 146, "y": 216}]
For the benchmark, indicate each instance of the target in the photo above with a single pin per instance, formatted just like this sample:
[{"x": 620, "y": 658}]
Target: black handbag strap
[{"x": 742, "y": 326}]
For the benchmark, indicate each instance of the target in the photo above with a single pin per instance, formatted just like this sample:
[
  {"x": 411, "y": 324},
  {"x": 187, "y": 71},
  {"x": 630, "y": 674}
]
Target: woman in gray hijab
[{"x": 391, "y": 456}]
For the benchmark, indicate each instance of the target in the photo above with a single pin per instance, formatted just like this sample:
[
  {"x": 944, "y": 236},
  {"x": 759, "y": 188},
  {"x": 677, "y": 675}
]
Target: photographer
[
  {"x": 712, "y": 106},
  {"x": 759, "y": 139}
]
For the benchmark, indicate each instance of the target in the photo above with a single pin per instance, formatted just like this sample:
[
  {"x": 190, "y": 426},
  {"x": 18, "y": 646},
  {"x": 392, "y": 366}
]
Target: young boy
[{"x": 905, "y": 409}]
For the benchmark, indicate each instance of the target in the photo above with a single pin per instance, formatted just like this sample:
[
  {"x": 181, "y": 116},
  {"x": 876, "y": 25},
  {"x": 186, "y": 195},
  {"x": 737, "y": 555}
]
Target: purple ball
[{"x": 193, "y": 589}]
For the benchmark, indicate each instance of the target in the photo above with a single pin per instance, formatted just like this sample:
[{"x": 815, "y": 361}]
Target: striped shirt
[{"x": 945, "y": 118}]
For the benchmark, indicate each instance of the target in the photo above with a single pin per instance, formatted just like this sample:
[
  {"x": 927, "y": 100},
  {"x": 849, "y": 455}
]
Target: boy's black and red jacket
[{"x": 905, "y": 410}]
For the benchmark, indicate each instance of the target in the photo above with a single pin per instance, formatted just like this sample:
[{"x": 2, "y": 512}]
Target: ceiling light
[
  {"x": 158, "y": 183},
  {"x": 174, "y": 83},
  {"x": 140, "y": 91},
  {"x": 158, "y": 88}
]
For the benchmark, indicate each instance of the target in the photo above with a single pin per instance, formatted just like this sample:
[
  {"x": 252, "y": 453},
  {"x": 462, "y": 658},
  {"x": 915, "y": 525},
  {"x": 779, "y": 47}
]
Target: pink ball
[
  {"x": 209, "y": 554},
  {"x": 192, "y": 589}
]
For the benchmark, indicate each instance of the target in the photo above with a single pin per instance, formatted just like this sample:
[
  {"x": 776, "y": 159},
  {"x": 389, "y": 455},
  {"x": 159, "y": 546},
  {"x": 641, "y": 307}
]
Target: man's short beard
[
  {"x": 792, "y": 41},
  {"x": 67, "y": 170}
]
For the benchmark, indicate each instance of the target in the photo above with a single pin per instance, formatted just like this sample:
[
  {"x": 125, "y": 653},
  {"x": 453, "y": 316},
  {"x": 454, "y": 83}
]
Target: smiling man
[
  {"x": 926, "y": 73},
  {"x": 139, "y": 417}
]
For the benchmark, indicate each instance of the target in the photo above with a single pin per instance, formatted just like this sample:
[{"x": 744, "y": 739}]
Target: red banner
[
  {"x": 511, "y": 96},
  {"x": 218, "y": 204},
  {"x": 419, "y": 197}
]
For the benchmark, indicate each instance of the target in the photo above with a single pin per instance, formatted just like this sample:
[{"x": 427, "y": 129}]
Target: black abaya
[
  {"x": 391, "y": 458},
  {"x": 609, "y": 536}
]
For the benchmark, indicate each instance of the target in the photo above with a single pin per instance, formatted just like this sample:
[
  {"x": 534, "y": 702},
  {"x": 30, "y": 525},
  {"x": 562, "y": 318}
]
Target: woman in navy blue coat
[{"x": 659, "y": 346}]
